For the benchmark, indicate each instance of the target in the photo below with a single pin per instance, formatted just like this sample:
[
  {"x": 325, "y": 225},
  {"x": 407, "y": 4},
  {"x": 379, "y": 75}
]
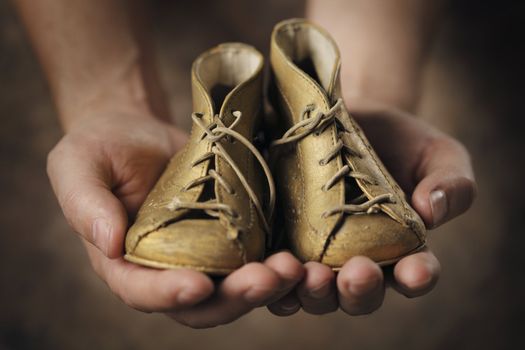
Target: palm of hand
[
  {"x": 103, "y": 169},
  {"x": 106, "y": 166},
  {"x": 422, "y": 160}
]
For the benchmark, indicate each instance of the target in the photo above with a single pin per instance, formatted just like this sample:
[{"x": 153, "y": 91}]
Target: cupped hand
[
  {"x": 435, "y": 171},
  {"x": 101, "y": 172}
]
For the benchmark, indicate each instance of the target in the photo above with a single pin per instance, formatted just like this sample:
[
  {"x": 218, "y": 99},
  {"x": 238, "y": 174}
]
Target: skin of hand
[
  {"x": 101, "y": 172},
  {"x": 101, "y": 71},
  {"x": 435, "y": 171},
  {"x": 111, "y": 156},
  {"x": 384, "y": 46}
]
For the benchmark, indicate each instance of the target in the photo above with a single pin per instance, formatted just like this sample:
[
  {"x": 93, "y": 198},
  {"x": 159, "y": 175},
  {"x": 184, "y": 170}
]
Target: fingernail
[
  {"x": 321, "y": 292},
  {"x": 289, "y": 305},
  {"x": 438, "y": 204},
  {"x": 101, "y": 234}
]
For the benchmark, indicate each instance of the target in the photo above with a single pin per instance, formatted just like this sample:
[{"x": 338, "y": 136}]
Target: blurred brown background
[{"x": 50, "y": 298}]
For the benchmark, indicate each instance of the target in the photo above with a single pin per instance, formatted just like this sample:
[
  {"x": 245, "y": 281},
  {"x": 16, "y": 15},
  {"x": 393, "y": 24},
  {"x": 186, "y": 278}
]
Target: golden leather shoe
[
  {"x": 209, "y": 210},
  {"x": 338, "y": 199}
]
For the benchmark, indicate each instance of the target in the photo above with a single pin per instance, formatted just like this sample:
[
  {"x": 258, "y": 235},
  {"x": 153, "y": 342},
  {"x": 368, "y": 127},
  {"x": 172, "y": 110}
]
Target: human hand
[
  {"x": 101, "y": 172},
  {"x": 430, "y": 166}
]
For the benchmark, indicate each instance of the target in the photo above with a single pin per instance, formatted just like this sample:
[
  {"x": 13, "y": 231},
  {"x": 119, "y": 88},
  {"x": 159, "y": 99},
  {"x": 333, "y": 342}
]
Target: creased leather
[
  {"x": 385, "y": 236},
  {"x": 162, "y": 237}
]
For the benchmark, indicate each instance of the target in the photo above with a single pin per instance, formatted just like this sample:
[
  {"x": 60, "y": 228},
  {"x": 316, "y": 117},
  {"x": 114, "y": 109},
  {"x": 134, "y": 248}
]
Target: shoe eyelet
[{"x": 322, "y": 162}]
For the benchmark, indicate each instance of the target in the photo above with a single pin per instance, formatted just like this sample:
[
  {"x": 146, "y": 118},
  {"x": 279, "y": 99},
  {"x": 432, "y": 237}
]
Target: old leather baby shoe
[
  {"x": 211, "y": 209},
  {"x": 338, "y": 199}
]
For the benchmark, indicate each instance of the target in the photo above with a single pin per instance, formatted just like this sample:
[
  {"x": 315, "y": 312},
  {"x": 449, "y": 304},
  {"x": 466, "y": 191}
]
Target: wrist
[
  {"x": 385, "y": 90},
  {"x": 128, "y": 89},
  {"x": 364, "y": 105}
]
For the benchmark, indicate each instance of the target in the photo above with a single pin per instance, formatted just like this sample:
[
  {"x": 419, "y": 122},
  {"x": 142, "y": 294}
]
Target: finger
[
  {"x": 286, "y": 306},
  {"x": 241, "y": 291},
  {"x": 416, "y": 274},
  {"x": 446, "y": 185},
  {"x": 81, "y": 181},
  {"x": 318, "y": 291},
  {"x": 360, "y": 285},
  {"x": 290, "y": 271},
  {"x": 151, "y": 290}
]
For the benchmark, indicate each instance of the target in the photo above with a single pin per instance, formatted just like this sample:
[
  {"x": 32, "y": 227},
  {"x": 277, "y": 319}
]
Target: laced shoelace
[
  {"x": 214, "y": 133},
  {"x": 316, "y": 125}
]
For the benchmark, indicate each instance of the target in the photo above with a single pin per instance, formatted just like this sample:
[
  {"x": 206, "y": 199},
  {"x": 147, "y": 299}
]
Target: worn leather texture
[
  {"x": 393, "y": 229},
  {"x": 166, "y": 238}
]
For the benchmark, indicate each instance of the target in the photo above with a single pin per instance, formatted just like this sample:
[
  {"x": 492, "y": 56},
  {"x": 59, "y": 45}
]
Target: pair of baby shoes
[{"x": 213, "y": 208}]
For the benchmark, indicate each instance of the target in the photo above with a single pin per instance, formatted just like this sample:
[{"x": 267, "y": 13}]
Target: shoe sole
[
  {"x": 222, "y": 271},
  {"x": 161, "y": 265},
  {"x": 389, "y": 261}
]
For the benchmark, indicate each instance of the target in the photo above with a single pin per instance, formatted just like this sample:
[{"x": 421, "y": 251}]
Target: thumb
[
  {"x": 446, "y": 186},
  {"x": 81, "y": 182}
]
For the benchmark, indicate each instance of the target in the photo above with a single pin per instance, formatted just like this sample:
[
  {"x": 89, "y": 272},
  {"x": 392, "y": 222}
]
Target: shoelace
[
  {"x": 214, "y": 133},
  {"x": 317, "y": 125}
]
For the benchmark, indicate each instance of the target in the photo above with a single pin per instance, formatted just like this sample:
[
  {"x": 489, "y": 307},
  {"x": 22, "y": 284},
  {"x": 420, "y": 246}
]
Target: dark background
[{"x": 473, "y": 89}]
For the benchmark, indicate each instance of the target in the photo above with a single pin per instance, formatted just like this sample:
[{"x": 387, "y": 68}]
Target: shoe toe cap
[
  {"x": 197, "y": 244},
  {"x": 376, "y": 236}
]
